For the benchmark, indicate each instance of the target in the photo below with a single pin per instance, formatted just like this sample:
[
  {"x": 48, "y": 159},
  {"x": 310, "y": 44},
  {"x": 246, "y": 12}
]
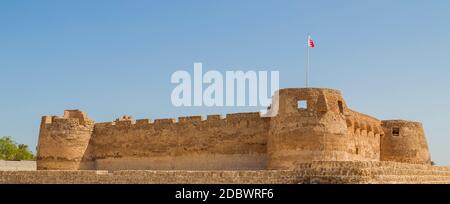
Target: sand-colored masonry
[{"x": 327, "y": 130}]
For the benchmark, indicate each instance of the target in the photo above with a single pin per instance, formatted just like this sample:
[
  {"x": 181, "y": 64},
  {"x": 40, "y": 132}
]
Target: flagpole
[{"x": 307, "y": 60}]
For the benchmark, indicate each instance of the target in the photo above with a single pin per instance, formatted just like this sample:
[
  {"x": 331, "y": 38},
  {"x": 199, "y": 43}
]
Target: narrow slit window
[
  {"x": 341, "y": 107},
  {"x": 302, "y": 104},
  {"x": 396, "y": 131}
]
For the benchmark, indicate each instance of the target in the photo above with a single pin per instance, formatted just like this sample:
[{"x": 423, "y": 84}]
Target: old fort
[{"x": 323, "y": 141}]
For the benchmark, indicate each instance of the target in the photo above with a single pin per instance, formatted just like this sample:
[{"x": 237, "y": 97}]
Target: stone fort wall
[
  {"x": 288, "y": 135},
  {"x": 237, "y": 141}
]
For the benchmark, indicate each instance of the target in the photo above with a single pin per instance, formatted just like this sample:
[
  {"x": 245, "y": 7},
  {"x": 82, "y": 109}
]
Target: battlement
[
  {"x": 188, "y": 119},
  {"x": 361, "y": 122},
  {"x": 75, "y": 117},
  {"x": 319, "y": 100},
  {"x": 301, "y": 125},
  {"x": 128, "y": 121}
]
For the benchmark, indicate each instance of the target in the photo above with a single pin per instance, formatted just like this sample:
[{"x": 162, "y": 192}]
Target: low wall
[
  {"x": 17, "y": 165},
  {"x": 146, "y": 177},
  {"x": 315, "y": 172}
]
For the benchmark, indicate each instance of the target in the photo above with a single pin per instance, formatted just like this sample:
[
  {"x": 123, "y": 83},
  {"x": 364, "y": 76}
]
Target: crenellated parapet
[
  {"x": 360, "y": 122},
  {"x": 128, "y": 121}
]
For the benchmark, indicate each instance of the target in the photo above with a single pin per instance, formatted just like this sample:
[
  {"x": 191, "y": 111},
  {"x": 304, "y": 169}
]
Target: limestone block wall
[{"x": 235, "y": 142}]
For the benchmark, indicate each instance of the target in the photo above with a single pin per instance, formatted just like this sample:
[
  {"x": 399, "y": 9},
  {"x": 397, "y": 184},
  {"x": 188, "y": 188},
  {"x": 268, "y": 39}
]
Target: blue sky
[{"x": 110, "y": 58}]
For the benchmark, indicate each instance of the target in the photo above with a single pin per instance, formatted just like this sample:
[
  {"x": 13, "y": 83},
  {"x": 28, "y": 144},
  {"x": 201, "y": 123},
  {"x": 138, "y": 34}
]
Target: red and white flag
[{"x": 310, "y": 42}]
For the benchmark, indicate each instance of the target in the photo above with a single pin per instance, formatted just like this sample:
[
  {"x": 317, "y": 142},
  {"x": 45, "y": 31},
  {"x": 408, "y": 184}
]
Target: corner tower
[
  {"x": 404, "y": 141},
  {"x": 65, "y": 142},
  {"x": 309, "y": 125}
]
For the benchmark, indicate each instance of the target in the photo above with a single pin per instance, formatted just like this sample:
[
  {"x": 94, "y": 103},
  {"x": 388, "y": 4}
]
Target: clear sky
[{"x": 391, "y": 59}]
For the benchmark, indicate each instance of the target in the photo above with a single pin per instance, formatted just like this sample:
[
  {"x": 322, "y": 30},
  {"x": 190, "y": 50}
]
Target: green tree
[{"x": 10, "y": 150}]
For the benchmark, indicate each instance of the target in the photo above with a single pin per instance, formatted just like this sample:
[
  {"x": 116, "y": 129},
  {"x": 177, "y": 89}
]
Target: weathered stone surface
[
  {"x": 313, "y": 172},
  {"x": 17, "y": 165},
  {"x": 409, "y": 146},
  {"x": 284, "y": 139}
]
